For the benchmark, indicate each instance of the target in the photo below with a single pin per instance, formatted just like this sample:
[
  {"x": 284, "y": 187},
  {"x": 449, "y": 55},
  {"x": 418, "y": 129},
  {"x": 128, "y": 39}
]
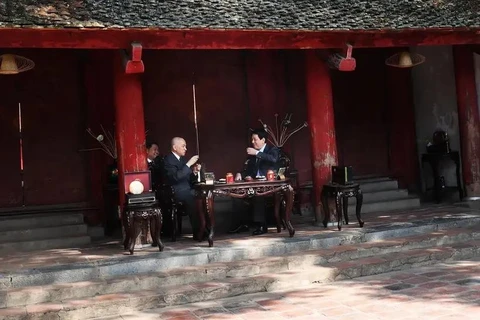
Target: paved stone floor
[
  {"x": 112, "y": 249},
  {"x": 446, "y": 291}
]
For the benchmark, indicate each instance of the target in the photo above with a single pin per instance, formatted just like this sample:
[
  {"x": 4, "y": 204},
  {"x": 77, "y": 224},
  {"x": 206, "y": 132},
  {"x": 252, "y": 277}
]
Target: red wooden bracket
[
  {"x": 343, "y": 61},
  {"x": 132, "y": 60}
]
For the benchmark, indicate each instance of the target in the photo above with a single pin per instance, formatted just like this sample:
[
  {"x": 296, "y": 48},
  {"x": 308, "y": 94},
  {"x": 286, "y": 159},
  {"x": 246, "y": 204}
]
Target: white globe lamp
[{"x": 136, "y": 187}]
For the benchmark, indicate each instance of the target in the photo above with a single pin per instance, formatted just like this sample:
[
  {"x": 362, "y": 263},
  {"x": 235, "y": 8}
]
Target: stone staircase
[
  {"x": 125, "y": 284},
  {"x": 42, "y": 231},
  {"x": 383, "y": 194}
]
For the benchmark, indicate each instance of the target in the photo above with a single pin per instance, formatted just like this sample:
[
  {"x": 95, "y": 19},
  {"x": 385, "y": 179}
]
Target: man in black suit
[
  {"x": 261, "y": 158},
  {"x": 154, "y": 164},
  {"x": 180, "y": 174}
]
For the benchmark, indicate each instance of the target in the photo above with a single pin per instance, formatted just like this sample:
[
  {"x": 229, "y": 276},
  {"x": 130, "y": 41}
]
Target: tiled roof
[{"x": 242, "y": 14}]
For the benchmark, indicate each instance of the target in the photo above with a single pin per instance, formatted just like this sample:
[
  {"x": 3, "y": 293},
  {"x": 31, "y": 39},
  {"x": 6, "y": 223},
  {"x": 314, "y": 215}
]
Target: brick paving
[{"x": 444, "y": 291}]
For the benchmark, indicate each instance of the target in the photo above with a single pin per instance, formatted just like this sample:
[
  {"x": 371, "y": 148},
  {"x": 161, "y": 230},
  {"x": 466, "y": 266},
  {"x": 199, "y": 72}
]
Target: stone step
[
  {"x": 296, "y": 276},
  {"x": 382, "y": 206},
  {"x": 378, "y": 185},
  {"x": 379, "y": 196},
  {"x": 32, "y": 221},
  {"x": 366, "y": 179},
  {"x": 21, "y": 296},
  {"x": 44, "y": 244},
  {"x": 43, "y": 233},
  {"x": 251, "y": 248}
]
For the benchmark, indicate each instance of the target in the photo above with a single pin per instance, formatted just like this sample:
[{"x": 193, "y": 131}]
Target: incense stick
[{"x": 195, "y": 114}]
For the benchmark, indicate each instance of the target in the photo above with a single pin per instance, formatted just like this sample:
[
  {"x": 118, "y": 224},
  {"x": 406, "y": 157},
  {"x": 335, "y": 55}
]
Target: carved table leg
[
  {"x": 153, "y": 229},
  {"x": 211, "y": 218},
  {"x": 201, "y": 211},
  {"x": 134, "y": 233},
  {"x": 338, "y": 206},
  {"x": 459, "y": 178},
  {"x": 158, "y": 226},
  {"x": 126, "y": 229},
  {"x": 436, "y": 179},
  {"x": 358, "y": 209},
  {"x": 278, "y": 199},
  {"x": 173, "y": 221},
  {"x": 345, "y": 208},
  {"x": 326, "y": 208},
  {"x": 288, "y": 193}
]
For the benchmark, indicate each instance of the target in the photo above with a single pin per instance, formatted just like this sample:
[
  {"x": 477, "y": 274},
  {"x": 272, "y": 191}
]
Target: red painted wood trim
[
  {"x": 228, "y": 39},
  {"x": 133, "y": 61},
  {"x": 468, "y": 118},
  {"x": 321, "y": 124}
]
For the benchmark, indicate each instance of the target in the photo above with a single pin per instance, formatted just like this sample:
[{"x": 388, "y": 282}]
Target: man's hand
[
  {"x": 192, "y": 160},
  {"x": 238, "y": 177},
  {"x": 252, "y": 151}
]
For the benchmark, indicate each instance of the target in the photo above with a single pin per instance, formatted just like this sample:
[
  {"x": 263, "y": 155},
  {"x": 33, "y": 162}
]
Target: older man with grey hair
[{"x": 178, "y": 172}]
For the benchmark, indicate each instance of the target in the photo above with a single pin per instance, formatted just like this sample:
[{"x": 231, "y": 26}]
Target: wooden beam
[
  {"x": 228, "y": 39},
  {"x": 132, "y": 60}
]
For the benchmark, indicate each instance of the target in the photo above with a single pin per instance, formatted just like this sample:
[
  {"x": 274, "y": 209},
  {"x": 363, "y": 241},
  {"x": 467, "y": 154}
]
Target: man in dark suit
[
  {"x": 154, "y": 164},
  {"x": 261, "y": 158},
  {"x": 180, "y": 174}
]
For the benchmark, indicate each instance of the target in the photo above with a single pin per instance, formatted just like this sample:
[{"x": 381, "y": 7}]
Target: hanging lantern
[
  {"x": 13, "y": 64},
  {"x": 405, "y": 59}
]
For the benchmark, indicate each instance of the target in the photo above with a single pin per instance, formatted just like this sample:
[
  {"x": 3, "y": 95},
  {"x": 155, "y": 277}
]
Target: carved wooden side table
[
  {"x": 132, "y": 217},
  {"x": 434, "y": 159},
  {"x": 341, "y": 193}
]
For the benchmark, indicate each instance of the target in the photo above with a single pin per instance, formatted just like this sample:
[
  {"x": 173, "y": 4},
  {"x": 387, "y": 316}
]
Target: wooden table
[
  {"x": 280, "y": 189},
  {"x": 434, "y": 159},
  {"x": 341, "y": 193},
  {"x": 135, "y": 213}
]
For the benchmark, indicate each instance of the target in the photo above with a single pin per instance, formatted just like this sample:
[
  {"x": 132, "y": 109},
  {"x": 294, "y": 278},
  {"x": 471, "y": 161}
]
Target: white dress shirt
[{"x": 261, "y": 150}]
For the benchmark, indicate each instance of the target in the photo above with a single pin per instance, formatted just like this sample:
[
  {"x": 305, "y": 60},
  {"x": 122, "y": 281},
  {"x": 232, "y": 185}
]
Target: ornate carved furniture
[
  {"x": 434, "y": 159},
  {"x": 280, "y": 189},
  {"x": 341, "y": 193},
  {"x": 133, "y": 217},
  {"x": 173, "y": 210}
]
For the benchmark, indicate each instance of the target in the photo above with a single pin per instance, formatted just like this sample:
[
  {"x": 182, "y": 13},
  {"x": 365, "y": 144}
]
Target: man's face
[
  {"x": 257, "y": 143},
  {"x": 152, "y": 152},
  {"x": 180, "y": 147}
]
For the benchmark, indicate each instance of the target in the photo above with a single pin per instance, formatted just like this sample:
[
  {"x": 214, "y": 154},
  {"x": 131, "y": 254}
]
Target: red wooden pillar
[
  {"x": 129, "y": 121},
  {"x": 468, "y": 118},
  {"x": 321, "y": 124}
]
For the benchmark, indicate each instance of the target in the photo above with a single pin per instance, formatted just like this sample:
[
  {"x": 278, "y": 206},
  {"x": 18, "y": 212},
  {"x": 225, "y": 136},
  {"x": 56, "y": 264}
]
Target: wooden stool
[
  {"x": 139, "y": 213},
  {"x": 341, "y": 193}
]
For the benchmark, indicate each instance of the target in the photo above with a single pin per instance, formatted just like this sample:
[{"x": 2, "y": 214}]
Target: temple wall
[
  {"x": 53, "y": 125},
  {"x": 435, "y": 105}
]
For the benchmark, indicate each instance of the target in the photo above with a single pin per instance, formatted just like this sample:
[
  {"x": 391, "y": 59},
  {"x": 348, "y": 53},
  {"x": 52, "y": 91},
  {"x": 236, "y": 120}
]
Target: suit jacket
[
  {"x": 177, "y": 173},
  {"x": 156, "y": 169},
  {"x": 262, "y": 162}
]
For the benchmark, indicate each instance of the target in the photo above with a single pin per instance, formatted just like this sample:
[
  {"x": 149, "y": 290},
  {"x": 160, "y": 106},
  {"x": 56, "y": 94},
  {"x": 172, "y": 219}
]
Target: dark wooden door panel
[{"x": 359, "y": 102}]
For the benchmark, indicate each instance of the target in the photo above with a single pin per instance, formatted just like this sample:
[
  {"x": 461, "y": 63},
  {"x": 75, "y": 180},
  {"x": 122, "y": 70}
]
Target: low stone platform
[
  {"x": 96, "y": 281},
  {"x": 444, "y": 291}
]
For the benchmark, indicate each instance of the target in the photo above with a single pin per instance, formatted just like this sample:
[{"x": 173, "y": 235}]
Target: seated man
[
  {"x": 154, "y": 164},
  {"x": 261, "y": 158},
  {"x": 179, "y": 174}
]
